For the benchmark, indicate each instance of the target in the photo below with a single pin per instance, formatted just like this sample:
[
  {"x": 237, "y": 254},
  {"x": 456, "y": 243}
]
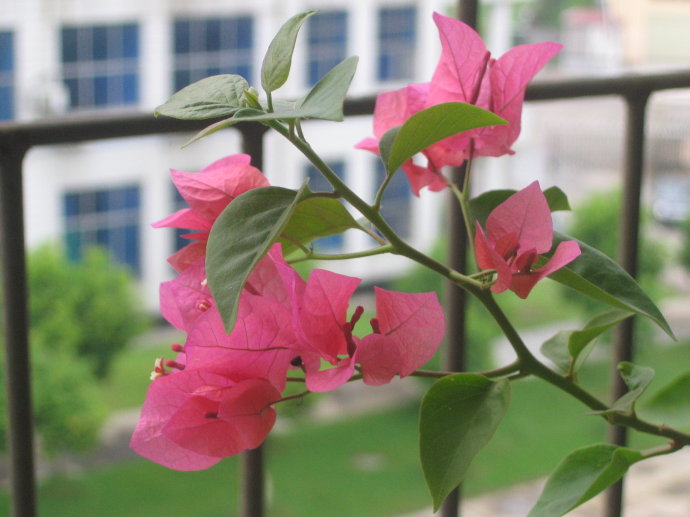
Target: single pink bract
[
  {"x": 208, "y": 192},
  {"x": 409, "y": 330},
  {"x": 193, "y": 418},
  {"x": 517, "y": 232}
]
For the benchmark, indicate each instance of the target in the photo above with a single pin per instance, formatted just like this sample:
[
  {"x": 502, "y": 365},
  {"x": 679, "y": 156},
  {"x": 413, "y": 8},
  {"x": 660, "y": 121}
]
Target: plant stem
[
  {"x": 293, "y": 397},
  {"x": 399, "y": 246},
  {"x": 382, "y": 189},
  {"x": 530, "y": 364},
  {"x": 497, "y": 372},
  {"x": 344, "y": 256},
  {"x": 461, "y": 196},
  {"x": 661, "y": 451}
]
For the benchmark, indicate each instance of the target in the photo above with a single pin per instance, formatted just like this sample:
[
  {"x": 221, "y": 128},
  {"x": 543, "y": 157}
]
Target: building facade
[{"x": 60, "y": 57}]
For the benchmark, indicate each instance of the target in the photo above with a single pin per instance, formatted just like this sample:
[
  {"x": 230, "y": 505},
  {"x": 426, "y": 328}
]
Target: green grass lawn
[{"x": 361, "y": 467}]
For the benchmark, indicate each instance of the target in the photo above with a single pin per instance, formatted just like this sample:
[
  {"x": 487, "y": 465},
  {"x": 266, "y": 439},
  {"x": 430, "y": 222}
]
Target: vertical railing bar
[
  {"x": 20, "y": 434},
  {"x": 252, "y": 478},
  {"x": 628, "y": 247},
  {"x": 456, "y": 298}
]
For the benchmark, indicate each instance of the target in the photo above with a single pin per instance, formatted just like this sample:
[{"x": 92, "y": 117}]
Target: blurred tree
[
  {"x": 90, "y": 308},
  {"x": 685, "y": 250},
  {"x": 82, "y": 315},
  {"x": 547, "y": 13},
  {"x": 68, "y": 411}
]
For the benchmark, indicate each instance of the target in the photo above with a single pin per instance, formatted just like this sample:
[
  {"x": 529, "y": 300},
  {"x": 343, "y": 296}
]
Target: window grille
[
  {"x": 107, "y": 218},
  {"x": 397, "y": 38},
  {"x": 204, "y": 47},
  {"x": 100, "y": 65}
]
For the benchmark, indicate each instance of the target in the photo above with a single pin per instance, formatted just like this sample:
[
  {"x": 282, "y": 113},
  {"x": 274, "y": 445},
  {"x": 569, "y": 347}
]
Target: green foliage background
[
  {"x": 595, "y": 222},
  {"x": 82, "y": 316}
]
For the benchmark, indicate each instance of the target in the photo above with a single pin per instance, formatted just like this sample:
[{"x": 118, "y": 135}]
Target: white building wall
[{"x": 50, "y": 171}]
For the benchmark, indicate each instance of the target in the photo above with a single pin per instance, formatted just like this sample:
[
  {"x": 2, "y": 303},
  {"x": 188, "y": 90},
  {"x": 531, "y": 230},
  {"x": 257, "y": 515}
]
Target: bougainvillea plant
[{"x": 253, "y": 324}]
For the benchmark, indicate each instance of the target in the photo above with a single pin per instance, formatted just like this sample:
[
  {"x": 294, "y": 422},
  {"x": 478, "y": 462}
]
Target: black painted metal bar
[
  {"x": 628, "y": 247},
  {"x": 16, "y": 333},
  {"x": 97, "y": 127},
  {"x": 456, "y": 298},
  {"x": 252, "y": 479}
]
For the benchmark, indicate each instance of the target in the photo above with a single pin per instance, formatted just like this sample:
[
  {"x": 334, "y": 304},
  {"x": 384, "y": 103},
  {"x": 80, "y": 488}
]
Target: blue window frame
[
  {"x": 6, "y": 76},
  {"x": 396, "y": 207},
  {"x": 100, "y": 65},
  {"x": 107, "y": 218},
  {"x": 204, "y": 47},
  {"x": 327, "y": 43},
  {"x": 397, "y": 38},
  {"x": 318, "y": 183}
]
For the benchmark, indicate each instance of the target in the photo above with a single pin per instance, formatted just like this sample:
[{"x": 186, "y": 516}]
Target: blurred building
[
  {"x": 60, "y": 57},
  {"x": 654, "y": 32}
]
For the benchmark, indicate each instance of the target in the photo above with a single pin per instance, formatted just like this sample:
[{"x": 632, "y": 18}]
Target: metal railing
[{"x": 17, "y": 138}]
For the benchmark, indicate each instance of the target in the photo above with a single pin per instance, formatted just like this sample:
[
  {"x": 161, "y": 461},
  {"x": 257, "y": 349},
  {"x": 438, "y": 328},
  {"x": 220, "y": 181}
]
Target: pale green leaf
[
  {"x": 582, "y": 475},
  {"x": 568, "y": 349},
  {"x": 212, "y": 97},
  {"x": 325, "y": 100},
  {"x": 275, "y": 68},
  {"x": 636, "y": 378},
  {"x": 315, "y": 217}
]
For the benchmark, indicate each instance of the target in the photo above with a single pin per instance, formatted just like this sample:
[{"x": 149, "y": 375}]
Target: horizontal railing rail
[{"x": 16, "y": 138}]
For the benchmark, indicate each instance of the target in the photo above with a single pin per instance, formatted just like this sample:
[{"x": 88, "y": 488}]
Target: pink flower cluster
[
  {"x": 517, "y": 232},
  {"x": 465, "y": 73},
  {"x": 215, "y": 398}
]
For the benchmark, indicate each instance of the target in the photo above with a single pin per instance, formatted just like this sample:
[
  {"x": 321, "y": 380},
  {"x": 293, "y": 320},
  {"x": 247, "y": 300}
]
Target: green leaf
[
  {"x": 482, "y": 205},
  {"x": 313, "y": 218},
  {"x": 556, "y": 199},
  {"x": 326, "y": 98},
  {"x": 324, "y": 102},
  {"x": 212, "y": 97},
  {"x": 582, "y": 475},
  {"x": 671, "y": 404},
  {"x": 458, "y": 417},
  {"x": 636, "y": 378},
  {"x": 597, "y": 276},
  {"x": 240, "y": 237},
  {"x": 568, "y": 349},
  {"x": 432, "y": 125},
  {"x": 275, "y": 68},
  {"x": 386, "y": 143}
]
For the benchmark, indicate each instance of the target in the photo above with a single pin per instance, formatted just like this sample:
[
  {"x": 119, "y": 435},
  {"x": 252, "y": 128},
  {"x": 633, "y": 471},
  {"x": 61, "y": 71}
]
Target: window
[
  {"x": 212, "y": 46},
  {"x": 396, "y": 207},
  {"x": 108, "y": 218},
  {"x": 318, "y": 183},
  {"x": 327, "y": 43},
  {"x": 100, "y": 65},
  {"x": 6, "y": 76},
  {"x": 397, "y": 37}
]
